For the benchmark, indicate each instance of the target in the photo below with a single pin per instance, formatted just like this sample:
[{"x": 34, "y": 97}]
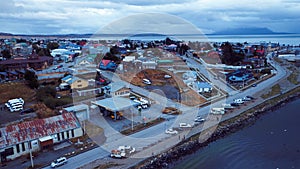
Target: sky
[{"x": 90, "y": 16}]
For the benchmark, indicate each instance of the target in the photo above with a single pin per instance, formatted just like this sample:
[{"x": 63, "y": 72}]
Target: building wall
[
  {"x": 79, "y": 84},
  {"x": 122, "y": 92},
  {"x": 23, "y": 150}
]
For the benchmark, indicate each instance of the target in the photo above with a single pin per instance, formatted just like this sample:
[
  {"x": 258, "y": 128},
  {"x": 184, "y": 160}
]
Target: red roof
[{"x": 105, "y": 62}]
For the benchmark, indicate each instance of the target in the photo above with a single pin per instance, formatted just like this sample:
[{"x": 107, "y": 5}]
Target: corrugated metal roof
[{"x": 31, "y": 130}]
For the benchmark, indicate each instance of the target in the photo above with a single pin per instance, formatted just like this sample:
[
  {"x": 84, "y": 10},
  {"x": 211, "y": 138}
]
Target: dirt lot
[{"x": 16, "y": 90}]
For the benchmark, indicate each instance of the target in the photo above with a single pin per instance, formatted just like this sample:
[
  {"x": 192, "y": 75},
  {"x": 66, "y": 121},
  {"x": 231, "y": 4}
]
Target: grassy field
[
  {"x": 293, "y": 78},
  {"x": 16, "y": 90},
  {"x": 274, "y": 91}
]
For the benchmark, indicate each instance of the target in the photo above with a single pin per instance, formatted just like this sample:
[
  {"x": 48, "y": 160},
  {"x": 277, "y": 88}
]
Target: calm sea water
[
  {"x": 287, "y": 39},
  {"x": 273, "y": 142}
]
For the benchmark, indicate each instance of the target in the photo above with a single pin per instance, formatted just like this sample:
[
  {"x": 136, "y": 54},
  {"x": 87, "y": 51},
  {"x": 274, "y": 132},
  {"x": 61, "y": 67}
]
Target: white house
[
  {"x": 115, "y": 89},
  {"x": 202, "y": 87}
]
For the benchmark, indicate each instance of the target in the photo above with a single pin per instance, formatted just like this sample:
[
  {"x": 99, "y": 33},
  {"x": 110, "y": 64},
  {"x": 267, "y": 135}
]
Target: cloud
[{"x": 89, "y": 16}]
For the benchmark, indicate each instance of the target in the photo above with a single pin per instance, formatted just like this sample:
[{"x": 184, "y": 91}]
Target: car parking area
[{"x": 7, "y": 116}]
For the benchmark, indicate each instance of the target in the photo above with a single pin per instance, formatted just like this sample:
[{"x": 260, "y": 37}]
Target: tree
[
  {"x": 169, "y": 41},
  {"x": 31, "y": 79},
  {"x": 52, "y": 45},
  {"x": 6, "y": 54},
  {"x": 114, "y": 50},
  {"x": 45, "y": 92},
  {"x": 230, "y": 57}
]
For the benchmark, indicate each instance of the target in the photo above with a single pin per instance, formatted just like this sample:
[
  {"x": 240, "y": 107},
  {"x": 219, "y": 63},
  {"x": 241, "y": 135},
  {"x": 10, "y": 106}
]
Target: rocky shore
[{"x": 192, "y": 144}]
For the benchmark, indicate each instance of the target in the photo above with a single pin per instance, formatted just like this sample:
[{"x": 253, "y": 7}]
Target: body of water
[
  {"x": 287, "y": 39},
  {"x": 273, "y": 142}
]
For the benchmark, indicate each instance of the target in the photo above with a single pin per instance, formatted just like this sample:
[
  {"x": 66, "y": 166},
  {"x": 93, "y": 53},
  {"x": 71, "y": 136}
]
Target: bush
[{"x": 45, "y": 92}]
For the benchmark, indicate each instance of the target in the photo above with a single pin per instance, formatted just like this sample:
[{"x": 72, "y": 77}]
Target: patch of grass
[
  {"x": 293, "y": 77},
  {"x": 274, "y": 91},
  {"x": 278, "y": 60},
  {"x": 16, "y": 90},
  {"x": 143, "y": 126}
]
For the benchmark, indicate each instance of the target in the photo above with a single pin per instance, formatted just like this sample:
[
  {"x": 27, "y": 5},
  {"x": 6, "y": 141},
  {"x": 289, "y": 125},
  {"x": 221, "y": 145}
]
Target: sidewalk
[{"x": 40, "y": 159}]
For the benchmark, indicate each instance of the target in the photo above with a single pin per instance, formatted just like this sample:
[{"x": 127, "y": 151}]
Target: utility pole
[
  {"x": 132, "y": 120},
  {"x": 30, "y": 151}
]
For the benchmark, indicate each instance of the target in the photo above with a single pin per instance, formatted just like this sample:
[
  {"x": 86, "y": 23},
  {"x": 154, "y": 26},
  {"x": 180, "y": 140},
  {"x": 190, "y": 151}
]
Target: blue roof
[
  {"x": 204, "y": 85},
  {"x": 67, "y": 77}
]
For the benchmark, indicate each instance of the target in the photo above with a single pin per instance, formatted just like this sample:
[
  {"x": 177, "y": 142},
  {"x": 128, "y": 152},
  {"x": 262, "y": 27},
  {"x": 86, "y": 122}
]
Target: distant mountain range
[
  {"x": 247, "y": 31},
  {"x": 231, "y": 31}
]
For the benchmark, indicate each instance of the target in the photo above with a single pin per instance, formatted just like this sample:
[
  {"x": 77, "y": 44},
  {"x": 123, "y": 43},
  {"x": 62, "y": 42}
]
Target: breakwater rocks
[{"x": 192, "y": 144}]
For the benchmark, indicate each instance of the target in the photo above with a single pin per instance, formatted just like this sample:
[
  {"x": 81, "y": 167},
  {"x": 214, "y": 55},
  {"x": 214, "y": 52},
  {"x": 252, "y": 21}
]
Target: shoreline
[{"x": 187, "y": 147}]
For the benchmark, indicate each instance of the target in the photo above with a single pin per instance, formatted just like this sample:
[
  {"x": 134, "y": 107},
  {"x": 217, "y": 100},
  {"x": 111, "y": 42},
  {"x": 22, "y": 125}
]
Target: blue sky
[{"x": 89, "y": 16}]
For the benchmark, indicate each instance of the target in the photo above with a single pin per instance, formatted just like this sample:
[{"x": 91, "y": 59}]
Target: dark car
[
  {"x": 57, "y": 67},
  {"x": 250, "y": 97},
  {"x": 29, "y": 110},
  {"x": 234, "y": 104}
]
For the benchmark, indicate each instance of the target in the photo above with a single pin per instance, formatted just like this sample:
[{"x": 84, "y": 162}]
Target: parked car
[
  {"x": 57, "y": 67},
  {"x": 171, "y": 131},
  {"x": 246, "y": 99},
  {"x": 185, "y": 125},
  {"x": 238, "y": 101},
  {"x": 167, "y": 76},
  {"x": 234, "y": 104},
  {"x": 58, "y": 162},
  {"x": 126, "y": 149},
  {"x": 250, "y": 97},
  {"x": 147, "y": 81},
  {"x": 29, "y": 110},
  {"x": 199, "y": 119},
  {"x": 117, "y": 154}
]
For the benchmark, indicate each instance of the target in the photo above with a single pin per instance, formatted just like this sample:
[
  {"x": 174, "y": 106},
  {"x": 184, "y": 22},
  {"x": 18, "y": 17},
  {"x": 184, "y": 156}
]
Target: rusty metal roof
[{"x": 31, "y": 130}]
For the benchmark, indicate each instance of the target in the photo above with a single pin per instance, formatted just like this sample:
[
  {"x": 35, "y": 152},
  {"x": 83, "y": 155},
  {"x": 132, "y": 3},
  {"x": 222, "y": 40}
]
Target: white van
[
  {"x": 19, "y": 100},
  {"x": 147, "y": 81},
  {"x": 16, "y": 108}
]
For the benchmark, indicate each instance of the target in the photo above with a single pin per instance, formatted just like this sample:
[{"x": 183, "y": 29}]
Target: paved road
[{"x": 84, "y": 158}]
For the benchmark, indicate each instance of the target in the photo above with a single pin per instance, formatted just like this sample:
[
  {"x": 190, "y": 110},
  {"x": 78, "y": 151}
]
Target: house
[
  {"x": 189, "y": 75},
  {"x": 107, "y": 65},
  {"x": 149, "y": 65},
  {"x": 3, "y": 76},
  {"x": 38, "y": 134},
  {"x": 202, "y": 87},
  {"x": 75, "y": 82},
  {"x": 116, "y": 89},
  {"x": 35, "y": 62}
]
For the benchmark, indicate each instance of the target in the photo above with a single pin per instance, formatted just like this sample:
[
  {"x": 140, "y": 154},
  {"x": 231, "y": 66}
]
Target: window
[
  {"x": 78, "y": 81},
  {"x": 58, "y": 136},
  {"x": 72, "y": 132},
  {"x": 79, "y": 85},
  {"x": 18, "y": 148},
  {"x": 63, "y": 135},
  {"x": 23, "y": 146},
  {"x": 67, "y": 134}
]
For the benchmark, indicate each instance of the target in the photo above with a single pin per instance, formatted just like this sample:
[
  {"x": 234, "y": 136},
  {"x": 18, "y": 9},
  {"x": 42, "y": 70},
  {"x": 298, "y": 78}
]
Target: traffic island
[{"x": 142, "y": 126}]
